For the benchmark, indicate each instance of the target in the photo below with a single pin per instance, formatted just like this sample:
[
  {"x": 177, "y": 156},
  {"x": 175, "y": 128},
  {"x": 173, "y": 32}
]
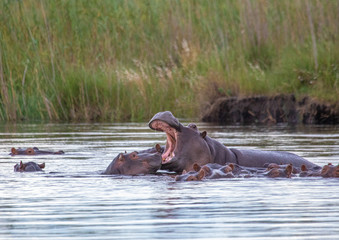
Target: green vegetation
[{"x": 126, "y": 60}]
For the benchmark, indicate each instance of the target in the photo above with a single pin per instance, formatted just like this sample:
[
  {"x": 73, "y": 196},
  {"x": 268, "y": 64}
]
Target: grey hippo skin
[
  {"x": 136, "y": 163},
  {"x": 186, "y": 146},
  {"x": 28, "y": 167},
  {"x": 32, "y": 151}
]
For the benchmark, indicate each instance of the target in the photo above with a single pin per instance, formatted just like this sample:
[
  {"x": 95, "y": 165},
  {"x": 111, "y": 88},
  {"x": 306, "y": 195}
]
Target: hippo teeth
[{"x": 168, "y": 158}]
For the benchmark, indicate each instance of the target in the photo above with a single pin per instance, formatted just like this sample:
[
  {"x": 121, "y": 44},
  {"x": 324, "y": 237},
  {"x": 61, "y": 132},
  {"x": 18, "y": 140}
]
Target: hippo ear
[
  {"x": 201, "y": 174},
  {"x": 158, "y": 148},
  {"x": 203, "y": 134},
  {"x": 289, "y": 170},
  {"x": 14, "y": 151},
  {"x": 121, "y": 157},
  {"x": 325, "y": 170},
  {"x": 196, "y": 167},
  {"x": 22, "y": 166},
  {"x": 303, "y": 168},
  {"x": 42, "y": 165}
]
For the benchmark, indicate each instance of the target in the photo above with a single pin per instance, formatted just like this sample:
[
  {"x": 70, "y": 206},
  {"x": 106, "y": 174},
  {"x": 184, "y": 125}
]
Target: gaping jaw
[{"x": 171, "y": 134}]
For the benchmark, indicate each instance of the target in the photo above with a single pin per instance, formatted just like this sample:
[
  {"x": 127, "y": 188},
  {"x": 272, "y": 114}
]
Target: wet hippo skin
[
  {"x": 186, "y": 146},
  {"x": 32, "y": 151},
  {"x": 135, "y": 163},
  {"x": 28, "y": 167},
  {"x": 208, "y": 171}
]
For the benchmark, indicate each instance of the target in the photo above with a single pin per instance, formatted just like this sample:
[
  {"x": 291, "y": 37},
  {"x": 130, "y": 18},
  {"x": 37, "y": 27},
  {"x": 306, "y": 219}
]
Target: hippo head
[
  {"x": 184, "y": 147},
  {"x": 135, "y": 163},
  {"x": 274, "y": 171},
  {"x": 28, "y": 167},
  {"x": 27, "y": 151},
  {"x": 32, "y": 151},
  {"x": 166, "y": 122},
  {"x": 191, "y": 176},
  {"x": 330, "y": 170}
]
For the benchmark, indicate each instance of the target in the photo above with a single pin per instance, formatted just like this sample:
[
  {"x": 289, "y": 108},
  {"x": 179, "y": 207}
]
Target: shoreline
[{"x": 271, "y": 110}]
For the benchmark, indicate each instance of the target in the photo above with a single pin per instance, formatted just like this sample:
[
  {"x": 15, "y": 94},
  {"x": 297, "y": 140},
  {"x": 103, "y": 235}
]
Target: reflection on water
[{"x": 71, "y": 199}]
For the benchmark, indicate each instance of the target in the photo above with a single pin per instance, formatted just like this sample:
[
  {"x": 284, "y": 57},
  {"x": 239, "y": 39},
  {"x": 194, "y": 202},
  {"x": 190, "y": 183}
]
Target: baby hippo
[
  {"x": 32, "y": 151},
  {"x": 136, "y": 163},
  {"x": 208, "y": 171},
  {"x": 28, "y": 167}
]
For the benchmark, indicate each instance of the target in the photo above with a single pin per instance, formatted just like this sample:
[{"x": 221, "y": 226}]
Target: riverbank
[
  {"x": 271, "y": 110},
  {"x": 126, "y": 60}
]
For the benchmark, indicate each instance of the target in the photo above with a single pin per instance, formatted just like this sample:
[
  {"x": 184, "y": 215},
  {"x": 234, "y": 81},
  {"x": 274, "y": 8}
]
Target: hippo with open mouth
[
  {"x": 136, "y": 163},
  {"x": 186, "y": 146}
]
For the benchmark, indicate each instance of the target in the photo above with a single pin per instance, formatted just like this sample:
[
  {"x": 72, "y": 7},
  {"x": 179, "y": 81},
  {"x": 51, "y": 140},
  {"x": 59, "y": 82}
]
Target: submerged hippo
[
  {"x": 328, "y": 171},
  {"x": 28, "y": 167},
  {"x": 186, "y": 146},
  {"x": 208, "y": 171},
  {"x": 275, "y": 172},
  {"x": 32, "y": 151},
  {"x": 135, "y": 163}
]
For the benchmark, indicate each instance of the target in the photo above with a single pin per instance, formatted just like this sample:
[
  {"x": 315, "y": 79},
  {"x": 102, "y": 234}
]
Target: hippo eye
[
  {"x": 133, "y": 155},
  {"x": 30, "y": 151}
]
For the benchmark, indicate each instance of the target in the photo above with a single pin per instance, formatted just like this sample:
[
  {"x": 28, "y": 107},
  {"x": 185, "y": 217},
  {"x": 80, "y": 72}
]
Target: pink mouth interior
[{"x": 171, "y": 139}]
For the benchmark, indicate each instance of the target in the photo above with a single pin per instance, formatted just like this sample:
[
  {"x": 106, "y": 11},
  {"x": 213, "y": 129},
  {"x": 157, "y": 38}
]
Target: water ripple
[{"x": 71, "y": 199}]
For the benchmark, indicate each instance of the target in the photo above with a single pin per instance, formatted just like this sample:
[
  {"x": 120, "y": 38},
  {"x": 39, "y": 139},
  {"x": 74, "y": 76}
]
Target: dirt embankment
[{"x": 277, "y": 109}]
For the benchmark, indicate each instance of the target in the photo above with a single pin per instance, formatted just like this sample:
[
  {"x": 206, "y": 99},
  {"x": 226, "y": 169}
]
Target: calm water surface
[{"x": 71, "y": 199}]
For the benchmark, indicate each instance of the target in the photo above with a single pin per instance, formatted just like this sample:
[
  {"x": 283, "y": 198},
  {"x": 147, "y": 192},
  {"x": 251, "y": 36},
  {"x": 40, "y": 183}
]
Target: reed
[{"x": 125, "y": 60}]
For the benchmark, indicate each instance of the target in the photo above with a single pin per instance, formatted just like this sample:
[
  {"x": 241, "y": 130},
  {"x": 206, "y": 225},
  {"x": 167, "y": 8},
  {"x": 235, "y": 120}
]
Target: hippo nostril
[{"x": 190, "y": 178}]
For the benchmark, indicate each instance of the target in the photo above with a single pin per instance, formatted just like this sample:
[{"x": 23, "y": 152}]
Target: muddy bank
[{"x": 277, "y": 109}]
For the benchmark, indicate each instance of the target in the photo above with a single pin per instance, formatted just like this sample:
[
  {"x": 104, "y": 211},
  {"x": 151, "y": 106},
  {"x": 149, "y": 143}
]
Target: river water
[{"x": 71, "y": 199}]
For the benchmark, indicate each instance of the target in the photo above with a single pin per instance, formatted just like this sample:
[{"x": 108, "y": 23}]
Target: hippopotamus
[
  {"x": 273, "y": 170},
  {"x": 186, "y": 146},
  {"x": 279, "y": 171},
  {"x": 32, "y": 151},
  {"x": 328, "y": 171},
  {"x": 28, "y": 167},
  {"x": 208, "y": 171},
  {"x": 136, "y": 163}
]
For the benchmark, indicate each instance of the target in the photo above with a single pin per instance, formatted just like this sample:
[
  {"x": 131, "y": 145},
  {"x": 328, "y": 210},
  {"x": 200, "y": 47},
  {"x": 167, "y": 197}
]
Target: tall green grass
[{"x": 126, "y": 60}]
